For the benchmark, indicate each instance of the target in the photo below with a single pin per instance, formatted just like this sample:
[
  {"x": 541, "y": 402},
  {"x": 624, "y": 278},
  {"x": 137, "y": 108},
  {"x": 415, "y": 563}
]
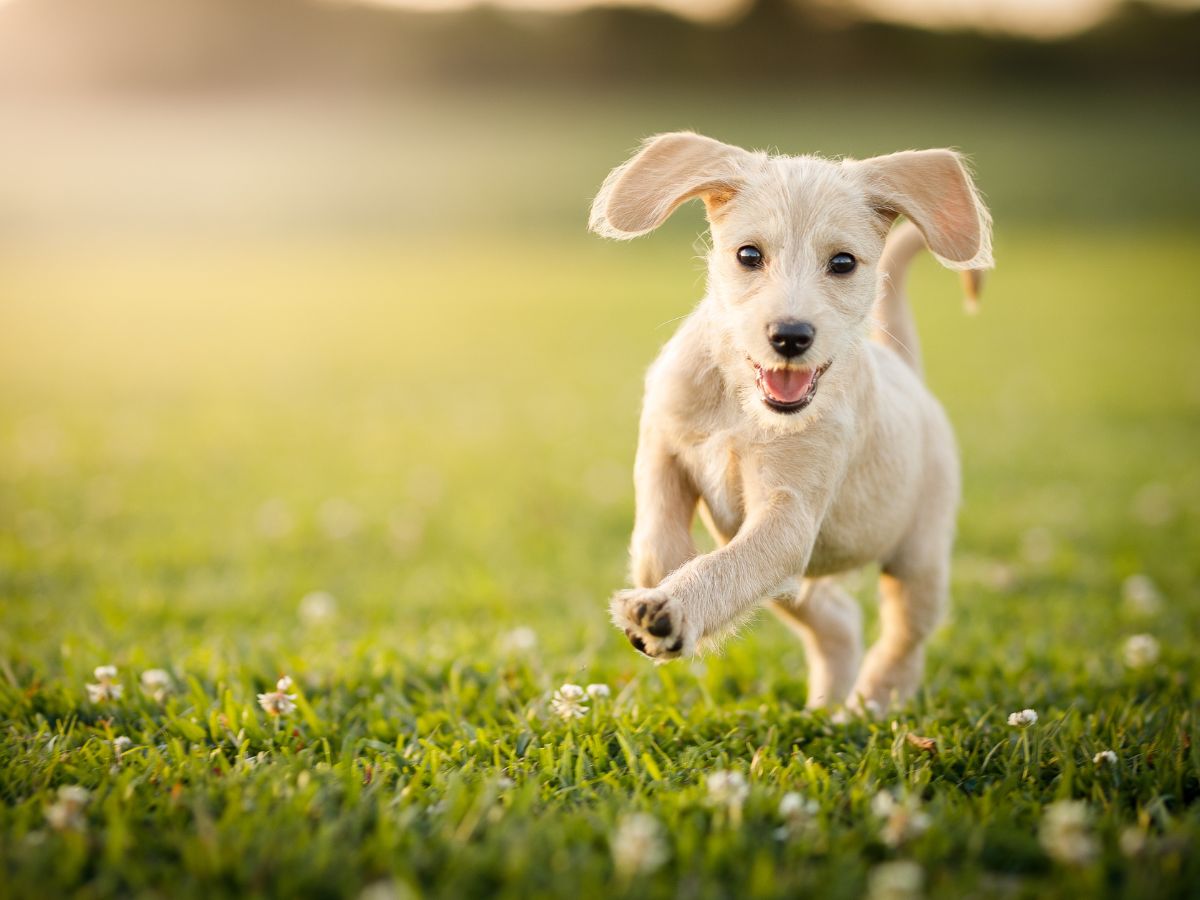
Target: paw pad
[{"x": 653, "y": 622}]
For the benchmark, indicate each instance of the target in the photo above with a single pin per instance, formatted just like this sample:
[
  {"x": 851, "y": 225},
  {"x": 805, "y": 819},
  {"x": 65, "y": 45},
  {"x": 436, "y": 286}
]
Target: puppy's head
[{"x": 795, "y": 245}]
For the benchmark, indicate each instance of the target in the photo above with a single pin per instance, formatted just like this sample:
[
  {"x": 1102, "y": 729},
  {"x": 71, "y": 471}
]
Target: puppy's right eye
[
  {"x": 750, "y": 256},
  {"x": 842, "y": 263}
]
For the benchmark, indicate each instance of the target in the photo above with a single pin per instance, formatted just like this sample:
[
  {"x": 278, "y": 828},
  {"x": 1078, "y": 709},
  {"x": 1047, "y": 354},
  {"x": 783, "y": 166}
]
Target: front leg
[
  {"x": 666, "y": 503},
  {"x": 708, "y": 594},
  {"x": 662, "y": 542}
]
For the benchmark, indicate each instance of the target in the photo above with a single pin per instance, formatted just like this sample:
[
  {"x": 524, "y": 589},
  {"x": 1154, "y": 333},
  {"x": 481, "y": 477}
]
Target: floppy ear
[
  {"x": 670, "y": 169},
  {"x": 935, "y": 191}
]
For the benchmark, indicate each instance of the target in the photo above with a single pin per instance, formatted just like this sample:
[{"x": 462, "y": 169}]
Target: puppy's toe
[
  {"x": 654, "y": 623},
  {"x": 858, "y": 706}
]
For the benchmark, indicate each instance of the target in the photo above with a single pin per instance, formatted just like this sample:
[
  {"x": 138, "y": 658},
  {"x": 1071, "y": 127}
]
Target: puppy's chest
[{"x": 714, "y": 462}]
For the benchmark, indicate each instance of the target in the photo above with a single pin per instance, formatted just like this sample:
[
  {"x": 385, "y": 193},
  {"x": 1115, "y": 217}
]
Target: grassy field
[{"x": 434, "y": 428}]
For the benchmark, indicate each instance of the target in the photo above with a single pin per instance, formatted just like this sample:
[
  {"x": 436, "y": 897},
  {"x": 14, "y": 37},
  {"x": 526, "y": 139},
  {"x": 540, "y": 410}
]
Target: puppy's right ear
[{"x": 670, "y": 169}]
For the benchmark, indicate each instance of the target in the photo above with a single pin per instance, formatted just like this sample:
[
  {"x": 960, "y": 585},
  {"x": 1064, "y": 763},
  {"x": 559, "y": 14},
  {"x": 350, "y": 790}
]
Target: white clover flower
[
  {"x": 790, "y": 805},
  {"x": 317, "y": 608},
  {"x": 1154, "y": 504},
  {"x": 638, "y": 846},
  {"x": 156, "y": 683},
  {"x": 381, "y": 890},
  {"x": 1037, "y": 546},
  {"x": 727, "y": 789},
  {"x": 73, "y": 793},
  {"x": 899, "y": 879},
  {"x": 598, "y": 691},
  {"x": 568, "y": 702},
  {"x": 1001, "y": 577},
  {"x": 1105, "y": 756},
  {"x": 274, "y": 519},
  {"x": 1141, "y": 595},
  {"x": 520, "y": 640},
  {"x": 883, "y": 803},
  {"x": 1065, "y": 833},
  {"x": 798, "y": 814},
  {"x": 339, "y": 519},
  {"x": 103, "y": 692},
  {"x": 1141, "y": 651},
  {"x": 795, "y": 806},
  {"x": 121, "y": 743},
  {"x": 1132, "y": 841},
  {"x": 106, "y": 687},
  {"x": 903, "y": 820},
  {"x": 67, "y": 812},
  {"x": 279, "y": 702},
  {"x": 1023, "y": 719},
  {"x": 388, "y": 890}
]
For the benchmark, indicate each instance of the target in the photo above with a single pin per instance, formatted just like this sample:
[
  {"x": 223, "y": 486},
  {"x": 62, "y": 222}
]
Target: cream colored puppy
[{"x": 789, "y": 408}]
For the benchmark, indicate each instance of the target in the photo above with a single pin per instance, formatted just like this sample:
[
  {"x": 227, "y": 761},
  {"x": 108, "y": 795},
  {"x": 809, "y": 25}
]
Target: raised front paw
[{"x": 654, "y": 623}]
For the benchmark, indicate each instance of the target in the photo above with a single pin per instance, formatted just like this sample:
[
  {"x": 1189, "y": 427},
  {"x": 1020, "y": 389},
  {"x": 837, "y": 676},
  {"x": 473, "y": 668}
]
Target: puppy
[{"x": 789, "y": 409}]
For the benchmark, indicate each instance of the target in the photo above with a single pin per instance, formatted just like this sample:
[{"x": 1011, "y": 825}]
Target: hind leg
[
  {"x": 914, "y": 587},
  {"x": 829, "y": 623},
  {"x": 913, "y": 598}
]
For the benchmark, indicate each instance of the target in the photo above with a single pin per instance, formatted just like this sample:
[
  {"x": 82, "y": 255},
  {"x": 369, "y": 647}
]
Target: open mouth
[{"x": 788, "y": 390}]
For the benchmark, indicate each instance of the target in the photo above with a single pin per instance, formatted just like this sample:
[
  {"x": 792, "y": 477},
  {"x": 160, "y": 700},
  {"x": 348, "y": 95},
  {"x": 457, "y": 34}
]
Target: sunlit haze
[
  {"x": 693, "y": 9},
  {"x": 1038, "y": 18},
  {"x": 1043, "y": 18}
]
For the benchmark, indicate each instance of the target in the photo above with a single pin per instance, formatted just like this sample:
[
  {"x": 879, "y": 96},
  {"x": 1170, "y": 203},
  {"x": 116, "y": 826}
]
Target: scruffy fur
[{"x": 867, "y": 472}]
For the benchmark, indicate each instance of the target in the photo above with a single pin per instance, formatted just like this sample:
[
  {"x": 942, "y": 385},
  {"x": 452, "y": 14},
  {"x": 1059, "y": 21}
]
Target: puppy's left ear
[{"x": 934, "y": 189}]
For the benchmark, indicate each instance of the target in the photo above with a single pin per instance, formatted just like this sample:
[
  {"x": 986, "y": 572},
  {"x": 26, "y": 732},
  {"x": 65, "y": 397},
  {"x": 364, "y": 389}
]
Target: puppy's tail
[{"x": 894, "y": 325}]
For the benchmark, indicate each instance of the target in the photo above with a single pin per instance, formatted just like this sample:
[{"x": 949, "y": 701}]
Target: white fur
[{"x": 867, "y": 472}]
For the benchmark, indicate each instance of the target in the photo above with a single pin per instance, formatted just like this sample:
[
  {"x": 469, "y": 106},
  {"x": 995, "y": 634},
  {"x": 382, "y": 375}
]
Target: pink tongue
[{"x": 787, "y": 385}]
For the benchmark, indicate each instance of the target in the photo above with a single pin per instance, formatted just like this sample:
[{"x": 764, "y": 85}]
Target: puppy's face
[
  {"x": 796, "y": 241},
  {"x": 791, "y": 279}
]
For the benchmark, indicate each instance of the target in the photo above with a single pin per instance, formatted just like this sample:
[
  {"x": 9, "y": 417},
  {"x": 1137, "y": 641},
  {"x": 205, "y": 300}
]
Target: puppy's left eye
[{"x": 842, "y": 263}]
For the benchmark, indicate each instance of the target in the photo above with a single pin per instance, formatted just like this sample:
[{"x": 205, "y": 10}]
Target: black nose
[{"x": 791, "y": 338}]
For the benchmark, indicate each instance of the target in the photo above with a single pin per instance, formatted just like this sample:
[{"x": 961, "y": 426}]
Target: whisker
[
  {"x": 669, "y": 321},
  {"x": 878, "y": 324}
]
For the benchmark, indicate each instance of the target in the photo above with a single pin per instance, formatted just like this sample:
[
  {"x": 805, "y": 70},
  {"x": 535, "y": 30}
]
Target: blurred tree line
[{"x": 173, "y": 45}]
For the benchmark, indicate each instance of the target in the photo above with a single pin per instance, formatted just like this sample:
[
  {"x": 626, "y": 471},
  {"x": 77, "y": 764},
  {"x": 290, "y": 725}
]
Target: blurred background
[
  {"x": 297, "y": 296},
  {"x": 203, "y": 118}
]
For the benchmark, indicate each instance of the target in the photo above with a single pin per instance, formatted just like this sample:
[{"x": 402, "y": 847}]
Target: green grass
[{"x": 438, "y": 430}]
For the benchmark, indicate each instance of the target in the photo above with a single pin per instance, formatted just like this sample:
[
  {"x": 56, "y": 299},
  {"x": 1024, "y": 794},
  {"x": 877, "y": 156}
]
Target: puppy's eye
[
  {"x": 842, "y": 263},
  {"x": 750, "y": 256}
]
